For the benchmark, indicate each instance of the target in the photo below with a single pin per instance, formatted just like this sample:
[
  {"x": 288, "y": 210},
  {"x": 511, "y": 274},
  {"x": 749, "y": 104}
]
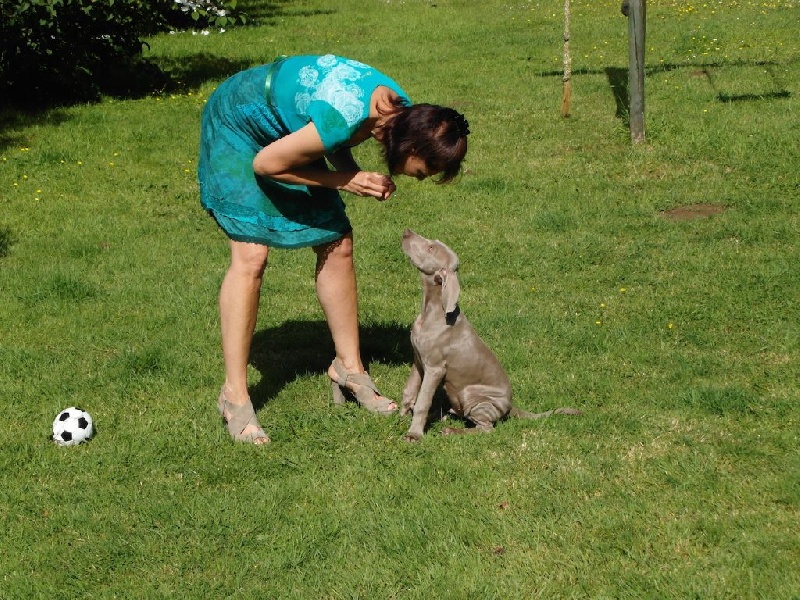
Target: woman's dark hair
[{"x": 436, "y": 134}]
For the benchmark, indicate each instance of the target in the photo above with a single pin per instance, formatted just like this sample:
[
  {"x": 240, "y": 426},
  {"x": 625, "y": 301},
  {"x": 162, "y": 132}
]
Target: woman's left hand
[{"x": 368, "y": 183}]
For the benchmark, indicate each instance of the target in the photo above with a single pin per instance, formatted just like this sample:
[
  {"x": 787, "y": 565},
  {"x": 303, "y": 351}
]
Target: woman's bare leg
[
  {"x": 338, "y": 296},
  {"x": 238, "y": 309}
]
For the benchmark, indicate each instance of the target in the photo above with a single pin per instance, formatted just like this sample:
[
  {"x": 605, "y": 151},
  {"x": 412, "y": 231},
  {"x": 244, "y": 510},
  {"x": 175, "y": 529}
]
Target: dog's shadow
[{"x": 301, "y": 348}]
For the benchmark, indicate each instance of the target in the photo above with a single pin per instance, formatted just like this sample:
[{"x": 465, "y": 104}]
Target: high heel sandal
[
  {"x": 367, "y": 395},
  {"x": 241, "y": 416}
]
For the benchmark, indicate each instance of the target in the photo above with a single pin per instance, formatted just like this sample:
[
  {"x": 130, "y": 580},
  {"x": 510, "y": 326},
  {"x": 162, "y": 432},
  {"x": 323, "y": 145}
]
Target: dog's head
[{"x": 437, "y": 263}]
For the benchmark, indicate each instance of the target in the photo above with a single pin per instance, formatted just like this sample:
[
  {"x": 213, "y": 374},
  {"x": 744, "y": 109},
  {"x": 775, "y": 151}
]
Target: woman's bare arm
[
  {"x": 342, "y": 160},
  {"x": 289, "y": 160}
]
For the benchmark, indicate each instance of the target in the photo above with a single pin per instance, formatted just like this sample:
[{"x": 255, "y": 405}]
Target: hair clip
[{"x": 462, "y": 124}]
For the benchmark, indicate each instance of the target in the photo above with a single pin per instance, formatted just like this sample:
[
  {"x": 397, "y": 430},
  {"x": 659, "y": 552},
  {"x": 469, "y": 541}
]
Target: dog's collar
[{"x": 450, "y": 318}]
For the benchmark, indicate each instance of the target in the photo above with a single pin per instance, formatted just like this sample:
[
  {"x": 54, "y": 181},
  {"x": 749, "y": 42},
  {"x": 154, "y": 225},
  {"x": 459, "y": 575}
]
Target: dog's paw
[{"x": 412, "y": 436}]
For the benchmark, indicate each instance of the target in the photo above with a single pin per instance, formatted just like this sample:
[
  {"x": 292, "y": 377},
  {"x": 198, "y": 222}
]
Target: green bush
[{"x": 60, "y": 51}]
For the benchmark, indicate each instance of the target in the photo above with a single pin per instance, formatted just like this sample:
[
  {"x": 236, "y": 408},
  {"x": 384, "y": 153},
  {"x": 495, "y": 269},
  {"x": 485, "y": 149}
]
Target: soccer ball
[{"x": 72, "y": 426}]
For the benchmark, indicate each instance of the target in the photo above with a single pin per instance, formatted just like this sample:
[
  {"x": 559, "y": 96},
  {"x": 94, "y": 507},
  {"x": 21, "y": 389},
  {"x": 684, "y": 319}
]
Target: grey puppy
[{"x": 447, "y": 349}]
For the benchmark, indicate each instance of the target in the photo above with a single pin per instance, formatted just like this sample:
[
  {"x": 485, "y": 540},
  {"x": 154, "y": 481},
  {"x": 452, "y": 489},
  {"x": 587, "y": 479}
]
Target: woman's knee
[
  {"x": 340, "y": 250},
  {"x": 249, "y": 259}
]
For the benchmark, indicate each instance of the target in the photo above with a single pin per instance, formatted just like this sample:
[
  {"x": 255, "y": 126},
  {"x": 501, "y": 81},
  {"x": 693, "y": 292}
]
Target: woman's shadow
[{"x": 300, "y": 348}]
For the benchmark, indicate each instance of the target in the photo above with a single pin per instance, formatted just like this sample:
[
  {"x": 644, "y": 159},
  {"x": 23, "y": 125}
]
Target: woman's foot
[
  {"x": 359, "y": 386},
  {"x": 241, "y": 419}
]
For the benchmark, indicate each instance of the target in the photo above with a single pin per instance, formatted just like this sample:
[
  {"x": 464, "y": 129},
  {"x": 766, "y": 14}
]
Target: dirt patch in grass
[{"x": 693, "y": 211}]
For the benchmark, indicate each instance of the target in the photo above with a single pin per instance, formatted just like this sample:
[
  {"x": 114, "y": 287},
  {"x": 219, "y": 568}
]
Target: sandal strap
[
  {"x": 367, "y": 394},
  {"x": 343, "y": 376},
  {"x": 241, "y": 416}
]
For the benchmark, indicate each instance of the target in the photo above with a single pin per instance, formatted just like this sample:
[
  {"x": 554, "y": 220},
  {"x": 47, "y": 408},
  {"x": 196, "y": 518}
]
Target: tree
[{"x": 59, "y": 51}]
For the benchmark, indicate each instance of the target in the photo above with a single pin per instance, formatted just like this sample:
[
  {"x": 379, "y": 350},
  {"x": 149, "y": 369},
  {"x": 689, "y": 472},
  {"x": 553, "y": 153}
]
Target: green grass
[{"x": 678, "y": 339}]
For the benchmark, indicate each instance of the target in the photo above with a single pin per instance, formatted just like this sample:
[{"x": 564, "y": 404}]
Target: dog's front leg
[
  {"x": 411, "y": 389},
  {"x": 431, "y": 378}
]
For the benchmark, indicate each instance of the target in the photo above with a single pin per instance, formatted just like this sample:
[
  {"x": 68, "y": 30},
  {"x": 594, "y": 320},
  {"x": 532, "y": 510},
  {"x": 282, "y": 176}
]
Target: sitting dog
[{"x": 447, "y": 349}]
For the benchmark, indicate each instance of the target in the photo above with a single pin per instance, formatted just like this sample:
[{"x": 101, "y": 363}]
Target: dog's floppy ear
[{"x": 451, "y": 289}]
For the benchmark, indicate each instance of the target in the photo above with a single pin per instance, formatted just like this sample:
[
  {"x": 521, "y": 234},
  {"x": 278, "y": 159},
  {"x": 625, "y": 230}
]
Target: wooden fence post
[{"x": 637, "y": 24}]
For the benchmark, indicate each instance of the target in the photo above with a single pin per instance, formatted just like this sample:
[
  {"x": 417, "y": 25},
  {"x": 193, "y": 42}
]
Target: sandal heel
[{"x": 338, "y": 394}]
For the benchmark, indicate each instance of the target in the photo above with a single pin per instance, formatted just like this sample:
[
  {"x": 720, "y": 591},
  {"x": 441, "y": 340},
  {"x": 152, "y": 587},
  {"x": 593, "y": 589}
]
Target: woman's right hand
[{"x": 368, "y": 183}]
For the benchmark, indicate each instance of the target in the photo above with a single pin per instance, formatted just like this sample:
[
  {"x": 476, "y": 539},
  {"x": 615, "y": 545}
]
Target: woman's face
[{"x": 414, "y": 166}]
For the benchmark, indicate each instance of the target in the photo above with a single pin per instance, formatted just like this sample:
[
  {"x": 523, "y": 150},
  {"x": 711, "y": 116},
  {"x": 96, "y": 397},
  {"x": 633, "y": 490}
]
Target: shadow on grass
[
  {"x": 6, "y": 241},
  {"x": 618, "y": 81},
  {"x": 264, "y": 13},
  {"x": 300, "y": 348},
  {"x": 11, "y": 119},
  {"x": 189, "y": 73},
  {"x": 161, "y": 76}
]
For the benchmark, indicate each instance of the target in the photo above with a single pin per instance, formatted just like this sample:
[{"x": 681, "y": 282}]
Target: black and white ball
[{"x": 72, "y": 426}]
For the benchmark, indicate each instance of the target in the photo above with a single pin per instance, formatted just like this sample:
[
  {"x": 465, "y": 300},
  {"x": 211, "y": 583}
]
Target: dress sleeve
[{"x": 333, "y": 129}]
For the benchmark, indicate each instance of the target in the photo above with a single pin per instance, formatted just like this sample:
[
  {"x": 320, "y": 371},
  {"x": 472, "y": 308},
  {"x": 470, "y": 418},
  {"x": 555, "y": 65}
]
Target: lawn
[{"x": 654, "y": 286}]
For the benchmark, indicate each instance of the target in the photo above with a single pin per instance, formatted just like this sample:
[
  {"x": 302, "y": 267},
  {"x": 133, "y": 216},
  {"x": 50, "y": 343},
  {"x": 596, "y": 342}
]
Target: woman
[{"x": 268, "y": 134}]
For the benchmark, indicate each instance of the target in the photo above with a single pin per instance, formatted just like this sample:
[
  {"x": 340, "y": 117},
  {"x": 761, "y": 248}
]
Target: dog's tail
[{"x": 524, "y": 414}]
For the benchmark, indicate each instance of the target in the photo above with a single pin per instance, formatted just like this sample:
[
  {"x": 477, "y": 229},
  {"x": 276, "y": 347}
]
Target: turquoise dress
[{"x": 260, "y": 105}]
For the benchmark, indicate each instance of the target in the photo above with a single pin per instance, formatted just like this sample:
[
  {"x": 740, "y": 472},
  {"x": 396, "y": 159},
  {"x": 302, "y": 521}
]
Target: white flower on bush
[{"x": 210, "y": 6}]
